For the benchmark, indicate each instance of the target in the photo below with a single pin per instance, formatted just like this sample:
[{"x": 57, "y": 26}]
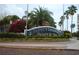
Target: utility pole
[{"x": 26, "y": 14}]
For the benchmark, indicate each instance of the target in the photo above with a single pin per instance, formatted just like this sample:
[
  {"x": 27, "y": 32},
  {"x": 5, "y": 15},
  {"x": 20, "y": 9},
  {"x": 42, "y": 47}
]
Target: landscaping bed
[
  {"x": 11, "y": 35},
  {"x": 33, "y": 39},
  {"x": 16, "y": 37}
]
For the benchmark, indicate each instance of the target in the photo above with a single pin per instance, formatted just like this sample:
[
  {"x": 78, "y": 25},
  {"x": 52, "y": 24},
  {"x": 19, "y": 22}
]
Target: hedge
[
  {"x": 11, "y": 35},
  {"x": 36, "y": 36}
]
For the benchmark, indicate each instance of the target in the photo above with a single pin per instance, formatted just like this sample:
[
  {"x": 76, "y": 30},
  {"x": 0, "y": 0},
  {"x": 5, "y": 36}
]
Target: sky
[{"x": 57, "y": 9}]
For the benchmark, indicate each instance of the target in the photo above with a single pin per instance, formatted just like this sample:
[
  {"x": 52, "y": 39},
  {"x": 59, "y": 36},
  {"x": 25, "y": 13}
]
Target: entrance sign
[{"x": 43, "y": 30}]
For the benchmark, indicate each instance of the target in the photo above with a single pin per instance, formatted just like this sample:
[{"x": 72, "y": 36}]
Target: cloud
[
  {"x": 15, "y": 10},
  {"x": 18, "y": 9}
]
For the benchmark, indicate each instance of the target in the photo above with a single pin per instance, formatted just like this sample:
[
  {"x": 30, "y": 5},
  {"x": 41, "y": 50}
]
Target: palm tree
[
  {"x": 66, "y": 13},
  {"x": 72, "y": 10},
  {"x": 60, "y": 24},
  {"x": 62, "y": 21},
  {"x": 38, "y": 17}
]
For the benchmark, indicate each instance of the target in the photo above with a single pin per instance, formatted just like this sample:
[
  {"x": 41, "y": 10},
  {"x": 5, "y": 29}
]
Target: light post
[
  {"x": 26, "y": 14},
  {"x": 25, "y": 18}
]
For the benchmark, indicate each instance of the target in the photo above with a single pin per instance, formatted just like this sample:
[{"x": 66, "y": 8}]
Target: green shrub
[
  {"x": 36, "y": 36},
  {"x": 47, "y": 38},
  {"x": 77, "y": 34},
  {"x": 67, "y": 34},
  {"x": 74, "y": 34},
  {"x": 11, "y": 35}
]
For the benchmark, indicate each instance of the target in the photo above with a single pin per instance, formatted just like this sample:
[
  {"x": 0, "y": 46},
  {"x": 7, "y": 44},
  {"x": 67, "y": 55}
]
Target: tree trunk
[
  {"x": 60, "y": 28},
  {"x": 63, "y": 27},
  {"x": 71, "y": 23},
  {"x": 67, "y": 24}
]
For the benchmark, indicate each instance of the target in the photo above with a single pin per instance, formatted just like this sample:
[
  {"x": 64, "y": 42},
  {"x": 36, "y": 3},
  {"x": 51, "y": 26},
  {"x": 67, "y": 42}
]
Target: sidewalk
[{"x": 72, "y": 44}]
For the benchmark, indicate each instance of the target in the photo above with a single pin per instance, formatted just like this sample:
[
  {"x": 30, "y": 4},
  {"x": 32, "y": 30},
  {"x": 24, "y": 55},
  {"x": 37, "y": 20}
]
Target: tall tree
[
  {"x": 72, "y": 10},
  {"x": 66, "y": 13},
  {"x": 62, "y": 21},
  {"x": 6, "y": 20},
  {"x": 60, "y": 24},
  {"x": 9, "y": 18},
  {"x": 38, "y": 17}
]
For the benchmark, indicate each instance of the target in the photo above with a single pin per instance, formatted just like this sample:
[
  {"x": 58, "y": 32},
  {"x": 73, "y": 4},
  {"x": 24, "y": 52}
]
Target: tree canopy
[
  {"x": 9, "y": 18},
  {"x": 40, "y": 17}
]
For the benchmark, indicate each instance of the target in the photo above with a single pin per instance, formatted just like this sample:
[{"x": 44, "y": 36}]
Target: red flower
[{"x": 17, "y": 26}]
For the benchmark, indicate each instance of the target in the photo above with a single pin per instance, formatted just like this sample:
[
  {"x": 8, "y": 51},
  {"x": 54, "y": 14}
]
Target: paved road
[
  {"x": 72, "y": 44},
  {"x": 47, "y": 45},
  {"x": 38, "y": 48},
  {"x": 25, "y": 51}
]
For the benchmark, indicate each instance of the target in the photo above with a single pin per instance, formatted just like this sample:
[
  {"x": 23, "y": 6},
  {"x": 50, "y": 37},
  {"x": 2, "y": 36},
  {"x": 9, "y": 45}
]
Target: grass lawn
[{"x": 33, "y": 39}]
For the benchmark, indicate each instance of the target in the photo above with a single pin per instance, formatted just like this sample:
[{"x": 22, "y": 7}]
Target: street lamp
[
  {"x": 26, "y": 18},
  {"x": 26, "y": 13}
]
